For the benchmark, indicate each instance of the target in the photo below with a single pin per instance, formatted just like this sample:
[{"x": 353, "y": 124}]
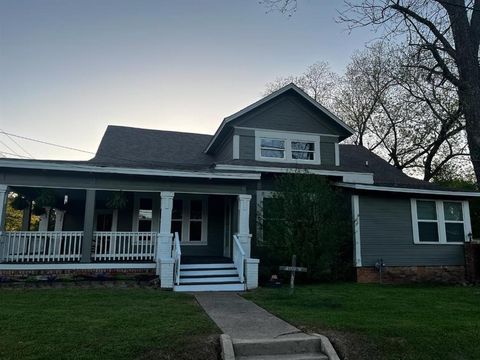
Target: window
[
  {"x": 104, "y": 222},
  {"x": 440, "y": 222},
  {"x": 145, "y": 215},
  {"x": 454, "y": 227},
  {"x": 189, "y": 220},
  {"x": 303, "y": 150},
  {"x": 287, "y": 147},
  {"x": 272, "y": 148}
]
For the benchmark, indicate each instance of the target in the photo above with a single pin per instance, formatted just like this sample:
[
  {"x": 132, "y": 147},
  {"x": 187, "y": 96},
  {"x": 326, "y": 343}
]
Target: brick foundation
[
  {"x": 413, "y": 274},
  {"x": 73, "y": 274}
]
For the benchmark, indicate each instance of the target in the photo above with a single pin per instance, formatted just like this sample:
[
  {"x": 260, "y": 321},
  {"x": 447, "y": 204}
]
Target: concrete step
[
  {"x": 218, "y": 279},
  {"x": 302, "y": 344},
  {"x": 305, "y": 356},
  {"x": 209, "y": 287},
  {"x": 207, "y": 266},
  {"x": 200, "y": 273}
]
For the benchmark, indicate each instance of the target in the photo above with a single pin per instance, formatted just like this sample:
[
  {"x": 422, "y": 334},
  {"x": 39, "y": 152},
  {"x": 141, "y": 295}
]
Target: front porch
[{"x": 179, "y": 236}]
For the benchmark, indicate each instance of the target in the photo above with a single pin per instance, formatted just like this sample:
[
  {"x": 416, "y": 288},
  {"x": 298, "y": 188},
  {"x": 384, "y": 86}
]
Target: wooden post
[
  {"x": 293, "y": 269},
  {"x": 88, "y": 226},
  {"x": 3, "y": 206}
]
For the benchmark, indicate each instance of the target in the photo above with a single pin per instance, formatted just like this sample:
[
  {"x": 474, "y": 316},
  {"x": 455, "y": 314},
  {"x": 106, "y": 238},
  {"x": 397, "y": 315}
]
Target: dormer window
[
  {"x": 287, "y": 147},
  {"x": 303, "y": 150},
  {"x": 272, "y": 148}
]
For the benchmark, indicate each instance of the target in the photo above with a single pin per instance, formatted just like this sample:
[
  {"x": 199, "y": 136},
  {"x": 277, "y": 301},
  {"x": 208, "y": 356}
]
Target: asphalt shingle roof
[{"x": 143, "y": 148}]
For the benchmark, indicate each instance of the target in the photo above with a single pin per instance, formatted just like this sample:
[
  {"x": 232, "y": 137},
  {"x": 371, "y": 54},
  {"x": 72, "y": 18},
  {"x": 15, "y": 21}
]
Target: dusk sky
[{"x": 70, "y": 68}]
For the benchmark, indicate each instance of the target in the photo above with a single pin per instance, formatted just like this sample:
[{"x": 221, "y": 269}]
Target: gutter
[
  {"x": 408, "y": 190},
  {"x": 39, "y": 165}
]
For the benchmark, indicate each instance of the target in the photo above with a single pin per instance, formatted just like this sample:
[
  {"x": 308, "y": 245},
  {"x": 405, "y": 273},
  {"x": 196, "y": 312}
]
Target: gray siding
[
  {"x": 289, "y": 113},
  {"x": 247, "y": 147},
  {"x": 327, "y": 150},
  {"x": 386, "y": 233},
  {"x": 225, "y": 152}
]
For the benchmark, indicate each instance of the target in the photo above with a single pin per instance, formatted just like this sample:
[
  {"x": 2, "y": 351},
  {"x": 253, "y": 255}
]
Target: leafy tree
[
  {"x": 13, "y": 219},
  {"x": 306, "y": 217}
]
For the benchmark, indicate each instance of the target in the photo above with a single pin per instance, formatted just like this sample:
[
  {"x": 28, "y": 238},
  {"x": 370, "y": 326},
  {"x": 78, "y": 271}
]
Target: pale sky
[{"x": 70, "y": 68}]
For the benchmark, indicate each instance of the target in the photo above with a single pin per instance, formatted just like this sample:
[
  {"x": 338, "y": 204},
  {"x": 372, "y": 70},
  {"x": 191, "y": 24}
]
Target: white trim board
[
  {"x": 262, "y": 101},
  {"x": 287, "y": 131},
  {"x": 410, "y": 190},
  {"x": 78, "y": 266},
  {"x": 354, "y": 177},
  {"x": 128, "y": 171},
  {"x": 356, "y": 228},
  {"x": 106, "y": 188}
]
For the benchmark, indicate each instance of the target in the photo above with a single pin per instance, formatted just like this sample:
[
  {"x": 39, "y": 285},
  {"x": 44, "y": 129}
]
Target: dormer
[{"x": 287, "y": 127}]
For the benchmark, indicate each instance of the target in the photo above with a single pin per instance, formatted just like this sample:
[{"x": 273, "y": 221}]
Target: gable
[
  {"x": 289, "y": 112},
  {"x": 287, "y": 109}
]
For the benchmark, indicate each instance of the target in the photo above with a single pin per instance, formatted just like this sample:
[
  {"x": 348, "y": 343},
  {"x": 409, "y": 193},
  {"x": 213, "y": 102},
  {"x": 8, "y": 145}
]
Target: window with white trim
[
  {"x": 287, "y": 147},
  {"x": 189, "y": 219},
  {"x": 439, "y": 222}
]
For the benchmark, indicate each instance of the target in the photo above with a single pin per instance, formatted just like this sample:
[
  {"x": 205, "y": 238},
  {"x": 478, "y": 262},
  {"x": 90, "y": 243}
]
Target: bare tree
[
  {"x": 448, "y": 31},
  {"x": 318, "y": 81},
  {"x": 411, "y": 119},
  {"x": 360, "y": 91}
]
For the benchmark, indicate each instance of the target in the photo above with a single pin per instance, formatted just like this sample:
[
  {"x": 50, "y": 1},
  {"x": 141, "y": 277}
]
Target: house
[{"x": 185, "y": 204}]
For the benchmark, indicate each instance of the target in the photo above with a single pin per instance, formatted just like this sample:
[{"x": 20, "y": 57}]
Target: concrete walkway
[{"x": 242, "y": 319}]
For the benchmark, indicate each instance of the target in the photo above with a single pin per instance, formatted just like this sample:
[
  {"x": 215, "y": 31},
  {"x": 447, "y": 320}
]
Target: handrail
[
  {"x": 239, "y": 258},
  {"x": 177, "y": 256}
]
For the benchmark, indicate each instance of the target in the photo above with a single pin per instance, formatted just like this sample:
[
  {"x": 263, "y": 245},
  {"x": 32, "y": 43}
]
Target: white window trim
[
  {"x": 288, "y": 138},
  {"x": 184, "y": 240},
  {"x": 442, "y": 235},
  {"x": 155, "y": 211}
]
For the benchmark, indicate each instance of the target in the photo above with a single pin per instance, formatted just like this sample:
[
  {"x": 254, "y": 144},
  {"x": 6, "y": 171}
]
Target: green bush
[{"x": 307, "y": 217}]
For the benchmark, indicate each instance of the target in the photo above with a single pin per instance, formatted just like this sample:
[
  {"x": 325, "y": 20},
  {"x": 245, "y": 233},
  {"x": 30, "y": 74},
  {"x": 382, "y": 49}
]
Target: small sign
[{"x": 293, "y": 269}]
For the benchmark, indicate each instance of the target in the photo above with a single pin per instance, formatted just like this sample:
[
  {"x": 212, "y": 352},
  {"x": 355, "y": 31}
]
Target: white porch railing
[
  {"x": 110, "y": 245},
  {"x": 40, "y": 246},
  {"x": 239, "y": 258},
  {"x": 177, "y": 256}
]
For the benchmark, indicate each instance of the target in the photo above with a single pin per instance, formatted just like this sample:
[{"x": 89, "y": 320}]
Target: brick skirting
[
  {"x": 68, "y": 274},
  {"x": 413, "y": 274}
]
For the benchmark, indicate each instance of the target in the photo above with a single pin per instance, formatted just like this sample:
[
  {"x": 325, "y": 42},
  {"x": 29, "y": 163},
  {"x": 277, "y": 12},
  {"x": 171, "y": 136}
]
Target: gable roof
[{"x": 289, "y": 87}]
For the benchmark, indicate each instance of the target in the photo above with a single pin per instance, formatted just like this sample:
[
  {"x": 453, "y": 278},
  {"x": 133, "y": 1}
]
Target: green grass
[
  {"x": 102, "y": 324},
  {"x": 385, "y": 322}
]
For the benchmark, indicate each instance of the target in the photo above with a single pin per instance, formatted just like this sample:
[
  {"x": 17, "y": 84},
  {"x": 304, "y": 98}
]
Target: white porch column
[
  {"x": 164, "y": 245},
  {"x": 243, "y": 233},
  {"x": 3, "y": 206}
]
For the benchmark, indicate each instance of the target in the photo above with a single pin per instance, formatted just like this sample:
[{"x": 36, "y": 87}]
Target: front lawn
[
  {"x": 103, "y": 324},
  {"x": 384, "y": 322}
]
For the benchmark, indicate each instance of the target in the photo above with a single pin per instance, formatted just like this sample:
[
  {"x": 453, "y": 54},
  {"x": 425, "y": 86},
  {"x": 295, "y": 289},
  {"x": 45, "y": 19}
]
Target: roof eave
[{"x": 409, "y": 190}]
